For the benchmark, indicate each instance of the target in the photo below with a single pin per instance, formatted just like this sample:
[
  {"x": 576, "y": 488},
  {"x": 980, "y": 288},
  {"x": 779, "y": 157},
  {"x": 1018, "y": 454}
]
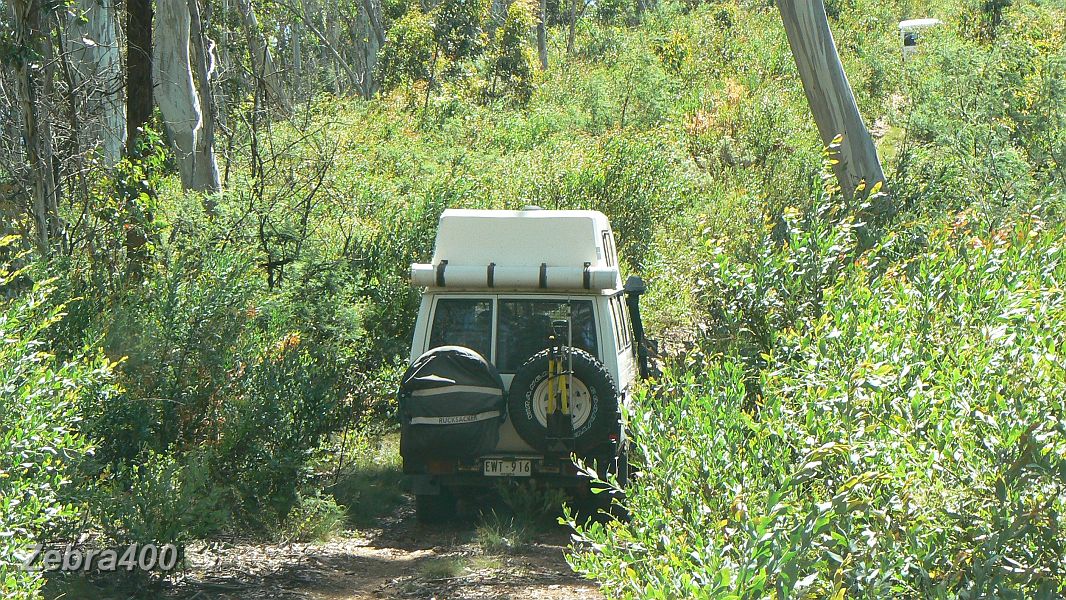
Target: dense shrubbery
[
  {"x": 41, "y": 445},
  {"x": 988, "y": 129},
  {"x": 229, "y": 371},
  {"x": 882, "y": 422},
  {"x": 908, "y": 440},
  {"x": 511, "y": 61},
  {"x": 866, "y": 408},
  {"x": 226, "y": 388},
  {"x": 448, "y": 45}
]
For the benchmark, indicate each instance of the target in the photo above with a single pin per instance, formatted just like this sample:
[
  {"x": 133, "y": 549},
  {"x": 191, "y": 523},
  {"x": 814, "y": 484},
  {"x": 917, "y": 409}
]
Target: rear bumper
[
  {"x": 557, "y": 472},
  {"x": 431, "y": 484}
]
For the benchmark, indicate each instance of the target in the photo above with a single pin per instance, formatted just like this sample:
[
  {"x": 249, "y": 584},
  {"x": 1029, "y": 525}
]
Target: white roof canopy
[
  {"x": 525, "y": 249},
  {"x": 913, "y": 24}
]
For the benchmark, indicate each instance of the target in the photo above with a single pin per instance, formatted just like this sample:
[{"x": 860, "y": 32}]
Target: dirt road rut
[{"x": 401, "y": 559}]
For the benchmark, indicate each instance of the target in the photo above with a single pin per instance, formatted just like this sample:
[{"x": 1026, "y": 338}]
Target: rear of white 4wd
[{"x": 521, "y": 356}]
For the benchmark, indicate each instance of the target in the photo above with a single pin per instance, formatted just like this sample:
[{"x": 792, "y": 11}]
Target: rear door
[{"x": 508, "y": 329}]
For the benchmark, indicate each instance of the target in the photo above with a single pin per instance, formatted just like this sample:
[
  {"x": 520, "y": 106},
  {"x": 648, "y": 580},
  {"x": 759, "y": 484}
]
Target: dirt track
[{"x": 399, "y": 559}]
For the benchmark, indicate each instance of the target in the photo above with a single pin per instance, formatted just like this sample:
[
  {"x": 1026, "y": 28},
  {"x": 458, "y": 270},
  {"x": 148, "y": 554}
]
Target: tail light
[{"x": 440, "y": 467}]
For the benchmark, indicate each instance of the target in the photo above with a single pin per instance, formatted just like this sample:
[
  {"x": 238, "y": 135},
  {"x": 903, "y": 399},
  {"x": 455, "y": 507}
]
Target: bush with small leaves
[
  {"x": 41, "y": 445},
  {"x": 908, "y": 438}
]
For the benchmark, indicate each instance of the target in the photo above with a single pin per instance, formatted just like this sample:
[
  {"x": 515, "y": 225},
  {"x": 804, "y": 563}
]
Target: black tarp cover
[{"x": 451, "y": 405}]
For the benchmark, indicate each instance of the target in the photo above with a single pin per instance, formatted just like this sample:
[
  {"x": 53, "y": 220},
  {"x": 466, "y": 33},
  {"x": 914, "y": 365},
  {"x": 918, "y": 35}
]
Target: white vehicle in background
[
  {"x": 910, "y": 32},
  {"x": 525, "y": 351}
]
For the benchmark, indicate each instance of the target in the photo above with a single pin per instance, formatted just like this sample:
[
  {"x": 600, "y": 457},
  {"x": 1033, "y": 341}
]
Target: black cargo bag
[{"x": 451, "y": 403}]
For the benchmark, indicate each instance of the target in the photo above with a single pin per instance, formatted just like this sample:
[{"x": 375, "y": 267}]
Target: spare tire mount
[{"x": 594, "y": 409}]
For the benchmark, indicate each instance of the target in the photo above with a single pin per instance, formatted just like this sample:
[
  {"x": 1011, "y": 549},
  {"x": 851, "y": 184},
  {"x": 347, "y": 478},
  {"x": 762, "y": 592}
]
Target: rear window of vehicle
[
  {"x": 523, "y": 327},
  {"x": 463, "y": 322}
]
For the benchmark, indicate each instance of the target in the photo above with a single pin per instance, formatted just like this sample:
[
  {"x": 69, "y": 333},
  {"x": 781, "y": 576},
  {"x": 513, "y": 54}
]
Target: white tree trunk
[
  {"x": 27, "y": 30},
  {"x": 204, "y": 61},
  {"x": 366, "y": 27},
  {"x": 542, "y": 35},
  {"x": 312, "y": 23},
  {"x": 95, "y": 57},
  {"x": 829, "y": 94},
  {"x": 266, "y": 73},
  {"x": 177, "y": 97},
  {"x": 333, "y": 32},
  {"x": 372, "y": 8},
  {"x": 298, "y": 54}
]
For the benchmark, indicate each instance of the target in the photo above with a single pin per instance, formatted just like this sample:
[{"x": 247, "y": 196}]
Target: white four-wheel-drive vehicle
[{"x": 525, "y": 352}]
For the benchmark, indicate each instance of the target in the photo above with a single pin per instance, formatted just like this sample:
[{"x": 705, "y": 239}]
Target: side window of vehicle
[
  {"x": 623, "y": 326},
  {"x": 616, "y": 322},
  {"x": 463, "y": 322},
  {"x": 627, "y": 332}
]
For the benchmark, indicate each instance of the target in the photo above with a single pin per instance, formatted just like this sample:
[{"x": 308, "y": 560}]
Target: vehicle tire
[
  {"x": 431, "y": 509},
  {"x": 594, "y": 413}
]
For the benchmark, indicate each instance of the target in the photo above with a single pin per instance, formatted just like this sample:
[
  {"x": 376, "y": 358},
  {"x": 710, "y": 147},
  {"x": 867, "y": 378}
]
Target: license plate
[{"x": 508, "y": 467}]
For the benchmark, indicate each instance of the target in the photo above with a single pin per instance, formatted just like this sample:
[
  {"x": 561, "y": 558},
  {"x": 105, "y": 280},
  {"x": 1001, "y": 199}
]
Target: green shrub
[
  {"x": 226, "y": 391},
  {"x": 177, "y": 334},
  {"x": 746, "y": 302},
  {"x": 407, "y": 56},
  {"x": 672, "y": 51},
  {"x": 612, "y": 11},
  {"x": 314, "y": 518},
  {"x": 629, "y": 181},
  {"x": 908, "y": 441},
  {"x": 986, "y": 122},
  {"x": 159, "y": 500},
  {"x": 41, "y": 446},
  {"x": 603, "y": 44},
  {"x": 278, "y": 413},
  {"x": 511, "y": 61},
  {"x": 381, "y": 255},
  {"x": 457, "y": 28}
]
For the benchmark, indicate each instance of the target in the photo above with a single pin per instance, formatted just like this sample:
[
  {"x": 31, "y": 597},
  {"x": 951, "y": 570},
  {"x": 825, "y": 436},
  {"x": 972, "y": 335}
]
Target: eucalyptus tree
[
  {"x": 322, "y": 22},
  {"x": 178, "y": 98},
  {"x": 829, "y": 94},
  {"x": 368, "y": 35},
  {"x": 264, "y": 70},
  {"x": 95, "y": 70},
  {"x": 31, "y": 57}
]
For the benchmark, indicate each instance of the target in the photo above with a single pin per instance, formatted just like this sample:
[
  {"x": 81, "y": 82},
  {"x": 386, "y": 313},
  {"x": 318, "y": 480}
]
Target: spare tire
[
  {"x": 594, "y": 410},
  {"x": 451, "y": 403}
]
